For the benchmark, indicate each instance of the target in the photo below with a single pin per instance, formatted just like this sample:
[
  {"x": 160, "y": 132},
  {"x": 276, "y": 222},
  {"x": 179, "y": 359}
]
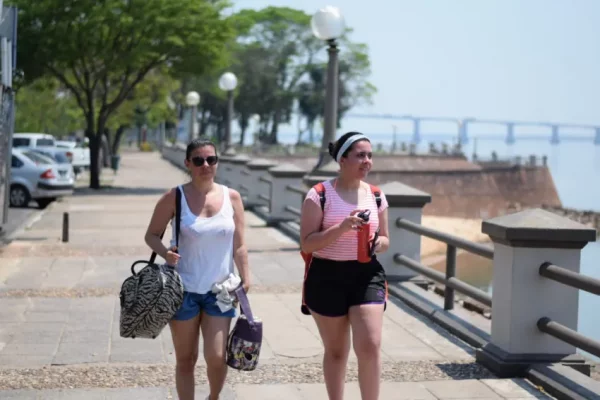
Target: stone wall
[
  {"x": 586, "y": 217},
  {"x": 459, "y": 188},
  {"x": 479, "y": 194}
]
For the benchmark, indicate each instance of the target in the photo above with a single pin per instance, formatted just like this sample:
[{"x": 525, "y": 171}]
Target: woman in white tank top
[{"x": 211, "y": 239}]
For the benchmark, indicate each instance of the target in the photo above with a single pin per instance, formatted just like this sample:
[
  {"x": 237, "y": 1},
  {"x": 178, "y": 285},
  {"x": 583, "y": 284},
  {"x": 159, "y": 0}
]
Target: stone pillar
[
  {"x": 521, "y": 296},
  {"x": 282, "y": 176},
  {"x": 407, "y": 203},
  {"x": 257, "y": 169},
  {"x": 238, "y": 171},
  {"x": 224, "y": 172}
]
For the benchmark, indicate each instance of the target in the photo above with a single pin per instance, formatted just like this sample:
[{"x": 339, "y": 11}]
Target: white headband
[{"x": 347, "y": 145}]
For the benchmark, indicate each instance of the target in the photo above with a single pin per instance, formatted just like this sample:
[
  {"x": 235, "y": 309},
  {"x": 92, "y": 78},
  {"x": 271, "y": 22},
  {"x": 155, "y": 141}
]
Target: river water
[{"x": 575, "y": 168}]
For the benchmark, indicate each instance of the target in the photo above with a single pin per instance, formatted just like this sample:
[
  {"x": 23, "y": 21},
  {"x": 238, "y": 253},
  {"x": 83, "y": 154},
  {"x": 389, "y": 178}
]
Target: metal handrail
[
  {"x": 293, "y": 210},
  {"x": 558, "y": 330},
  {"x": 471, "y": 247},
  {"x": 568, "y": 335},
  {"x": 296, "y": 189},
  {"x": 570, "y": 278},
  {"x": 449, "y": 280}
]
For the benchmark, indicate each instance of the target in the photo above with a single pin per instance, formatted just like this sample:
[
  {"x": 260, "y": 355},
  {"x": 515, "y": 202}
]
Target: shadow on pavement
[
  {"x": 119, "y": 191},
  {"x": 460, "y": 371}
]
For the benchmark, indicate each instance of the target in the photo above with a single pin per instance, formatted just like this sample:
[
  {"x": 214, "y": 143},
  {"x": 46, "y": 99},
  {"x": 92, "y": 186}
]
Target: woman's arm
[
  {"x": 163, "y": 212},
  {"x": 240, "y": 252}
]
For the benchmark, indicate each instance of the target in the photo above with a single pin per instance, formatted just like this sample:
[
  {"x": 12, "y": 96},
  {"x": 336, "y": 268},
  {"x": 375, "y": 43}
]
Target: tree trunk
[
  {"x": 94, "y": 160},
  {"x": 274, "y": 127},
  {"x": 117, "y": 139},
  {"x": 242, "y": 136}
]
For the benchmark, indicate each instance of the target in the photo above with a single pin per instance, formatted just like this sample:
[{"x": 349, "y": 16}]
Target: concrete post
[
  {"x": 522, "y": 243},
  {"x": 224, "y": 172},
  {"x": 257, "y": 169},
  {"x": 282, "y": 176},
  {"x": 238, "y": 172},
  {"x": 407, "y": 203}
]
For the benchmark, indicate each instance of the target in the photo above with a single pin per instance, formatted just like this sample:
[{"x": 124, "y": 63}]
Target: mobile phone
[
  {"x": 375, "y": 237},
  {"x": 364, "y": 215}
]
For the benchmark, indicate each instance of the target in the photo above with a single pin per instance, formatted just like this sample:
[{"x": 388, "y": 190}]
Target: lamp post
[
  {"x": 328, "y": 24},
  {"x": 192, "y": 99},
  {"x": 228, "y": 82},
  {"x": 256, "y": 119}
]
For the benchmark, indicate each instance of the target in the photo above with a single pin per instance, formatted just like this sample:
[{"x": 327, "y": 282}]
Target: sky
[{"x": 529, "y": 60}]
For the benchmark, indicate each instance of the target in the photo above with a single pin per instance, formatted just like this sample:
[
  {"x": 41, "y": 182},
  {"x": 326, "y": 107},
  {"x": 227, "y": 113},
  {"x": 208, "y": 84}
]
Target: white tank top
[{"x": 205, "y": 246}]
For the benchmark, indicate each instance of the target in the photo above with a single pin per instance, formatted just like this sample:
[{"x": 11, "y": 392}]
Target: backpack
[
  {"x": 149, "y": 298},
  {"x": 307, "y": 257}
]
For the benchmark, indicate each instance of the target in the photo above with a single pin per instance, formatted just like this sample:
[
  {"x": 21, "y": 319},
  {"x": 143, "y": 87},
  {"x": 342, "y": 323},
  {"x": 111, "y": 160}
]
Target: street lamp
[
  {"x": 228, "y": 83},
  {"x": 328, "y": 24},
  {"x": 192, "y": 99}
]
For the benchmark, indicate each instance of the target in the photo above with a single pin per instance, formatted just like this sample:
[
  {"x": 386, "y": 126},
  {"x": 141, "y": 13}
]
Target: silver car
[{"x": 37, "y": 177}]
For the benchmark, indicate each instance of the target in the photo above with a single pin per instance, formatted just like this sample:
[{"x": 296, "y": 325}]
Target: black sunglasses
[{"x": 210, "y": 160}]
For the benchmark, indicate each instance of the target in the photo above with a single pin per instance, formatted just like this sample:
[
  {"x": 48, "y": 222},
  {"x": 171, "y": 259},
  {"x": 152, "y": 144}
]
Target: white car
[
  {"x": 37, "y": 177},
  {"x": 80, "y": 156}
]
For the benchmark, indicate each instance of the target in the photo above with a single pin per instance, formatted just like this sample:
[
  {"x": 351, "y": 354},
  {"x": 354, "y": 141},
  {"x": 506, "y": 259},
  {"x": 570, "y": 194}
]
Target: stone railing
[{"x": 534, "y": 301}]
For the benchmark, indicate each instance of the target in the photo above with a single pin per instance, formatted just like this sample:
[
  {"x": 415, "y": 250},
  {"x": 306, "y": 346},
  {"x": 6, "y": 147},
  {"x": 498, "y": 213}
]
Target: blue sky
[{"x": 534, "y": 60}]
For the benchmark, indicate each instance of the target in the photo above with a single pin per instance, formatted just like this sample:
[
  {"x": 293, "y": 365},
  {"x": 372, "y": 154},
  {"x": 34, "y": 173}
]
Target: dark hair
[
  {"x": 334, "y": 148},
  {"x": 196, "y": 144}
]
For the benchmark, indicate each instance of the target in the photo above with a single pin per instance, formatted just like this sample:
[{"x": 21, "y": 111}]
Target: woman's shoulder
[{"x": 234, "y": 195}]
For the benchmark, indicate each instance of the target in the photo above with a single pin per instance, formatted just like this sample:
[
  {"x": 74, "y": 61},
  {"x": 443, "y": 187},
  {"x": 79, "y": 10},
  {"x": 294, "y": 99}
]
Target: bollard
[{"x": 65, "y": 227}]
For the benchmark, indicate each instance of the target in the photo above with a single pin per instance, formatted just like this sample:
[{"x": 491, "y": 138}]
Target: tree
[
  {"x": 42, "y": 107},
  {"x": 101, "y": 50},
  {"x": 151, "y": 97},
  {"x": 289, "y": 48},
  {"x": 281, "y": 62}
]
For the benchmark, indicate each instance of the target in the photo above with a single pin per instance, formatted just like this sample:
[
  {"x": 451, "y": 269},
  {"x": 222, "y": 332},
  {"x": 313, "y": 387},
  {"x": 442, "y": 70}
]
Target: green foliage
[
  {"x": 43, "y": 107},
  {"x": 101, "y": 50}
]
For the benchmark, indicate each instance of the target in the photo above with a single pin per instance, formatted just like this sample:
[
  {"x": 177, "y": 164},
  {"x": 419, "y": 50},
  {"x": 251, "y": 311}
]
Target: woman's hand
[
  {"x": 246, "y": 285},
  {"x": 172, "y": 257},
  {"x": 352, "y": 222}
]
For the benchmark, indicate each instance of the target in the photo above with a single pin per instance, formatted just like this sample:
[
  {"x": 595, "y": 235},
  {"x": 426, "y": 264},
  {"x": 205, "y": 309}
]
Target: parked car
[
  {"x": 32, "y": 140},
  {"x": 59, "y": 156},
  {"x": 37, "y": 177},
  {"x": 80, "y": 155}
]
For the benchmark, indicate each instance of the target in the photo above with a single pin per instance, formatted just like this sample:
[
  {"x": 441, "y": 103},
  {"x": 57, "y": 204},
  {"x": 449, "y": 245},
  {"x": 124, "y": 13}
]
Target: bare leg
[
  {"x": 335, "y": 334},
  {"x": 367, "y": 323},
  {"x": 185, "y": 340},
  {"x": 214, "y": 332}
]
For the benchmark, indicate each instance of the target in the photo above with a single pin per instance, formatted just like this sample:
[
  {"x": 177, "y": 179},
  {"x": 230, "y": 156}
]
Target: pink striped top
[{"x": 336, "y": 209}]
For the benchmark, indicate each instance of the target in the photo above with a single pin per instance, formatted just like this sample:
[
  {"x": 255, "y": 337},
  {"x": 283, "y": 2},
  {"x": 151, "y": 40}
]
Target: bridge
[{"x": 463, "y": 132}]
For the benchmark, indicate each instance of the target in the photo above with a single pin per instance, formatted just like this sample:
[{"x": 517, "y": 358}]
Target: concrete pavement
[{"x": 59, "y": 311}]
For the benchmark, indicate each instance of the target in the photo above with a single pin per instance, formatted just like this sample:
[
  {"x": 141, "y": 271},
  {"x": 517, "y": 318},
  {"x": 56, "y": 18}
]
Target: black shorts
[{"x": 332, "y": 287}]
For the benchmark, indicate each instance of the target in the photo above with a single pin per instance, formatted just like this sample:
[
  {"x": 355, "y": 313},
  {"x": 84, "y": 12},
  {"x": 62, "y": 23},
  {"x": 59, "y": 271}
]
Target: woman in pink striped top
[{"x": 341, "y": 292}]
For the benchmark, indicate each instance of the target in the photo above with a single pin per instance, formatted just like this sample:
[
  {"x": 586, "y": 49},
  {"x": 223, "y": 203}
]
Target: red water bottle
[{"x": 364, "y": 231}]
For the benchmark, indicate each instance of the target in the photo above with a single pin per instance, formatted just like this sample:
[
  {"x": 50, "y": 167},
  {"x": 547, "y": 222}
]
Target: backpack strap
[
  {"x": 377, "y": 193},
  {"x": 320, "y": 188},
  {"x": 177, "y": 223}
]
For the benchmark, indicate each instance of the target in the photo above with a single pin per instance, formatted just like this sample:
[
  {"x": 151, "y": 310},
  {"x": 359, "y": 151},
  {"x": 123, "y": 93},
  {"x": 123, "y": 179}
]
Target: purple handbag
[{"x": 244, "y": 342}]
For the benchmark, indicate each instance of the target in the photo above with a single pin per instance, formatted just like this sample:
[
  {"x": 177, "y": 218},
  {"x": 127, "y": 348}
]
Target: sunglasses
[{"x": 210, "y": 160}]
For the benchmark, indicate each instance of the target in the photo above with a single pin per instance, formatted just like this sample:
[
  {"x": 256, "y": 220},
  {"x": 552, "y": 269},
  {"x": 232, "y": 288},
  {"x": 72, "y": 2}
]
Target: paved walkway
[{"x": 59, "y": 311}]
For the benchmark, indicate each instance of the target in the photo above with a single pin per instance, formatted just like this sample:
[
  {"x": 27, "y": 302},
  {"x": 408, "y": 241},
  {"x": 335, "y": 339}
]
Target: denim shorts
[{"x": 194, "y": 303}]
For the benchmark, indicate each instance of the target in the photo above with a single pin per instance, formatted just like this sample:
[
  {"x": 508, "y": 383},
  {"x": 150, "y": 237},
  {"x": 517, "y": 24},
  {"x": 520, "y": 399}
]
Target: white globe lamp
[
  {"x": 192, "y": 99},
  {"x": 228, "y": 81},
  {"x": 328, "y": 23}
]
